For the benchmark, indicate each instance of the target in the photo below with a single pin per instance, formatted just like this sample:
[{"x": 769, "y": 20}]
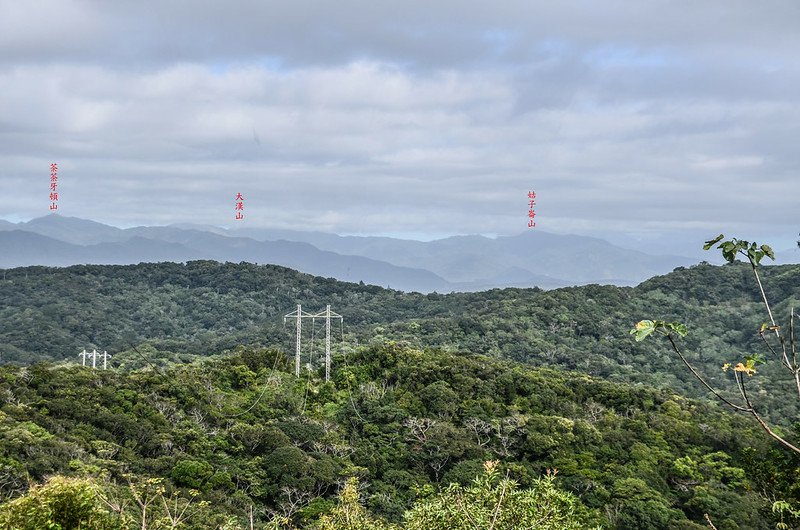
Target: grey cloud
[
  {"x": 404, "y": 117},
  {"x": 439, "y": 33}
]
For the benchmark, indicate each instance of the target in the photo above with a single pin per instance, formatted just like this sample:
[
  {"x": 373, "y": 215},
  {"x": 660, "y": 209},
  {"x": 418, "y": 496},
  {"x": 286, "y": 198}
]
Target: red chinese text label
[
  {"x": 53, "y": 186},
  {"x": 531, "y": 211},
  {"x": 239, "y": 208}
]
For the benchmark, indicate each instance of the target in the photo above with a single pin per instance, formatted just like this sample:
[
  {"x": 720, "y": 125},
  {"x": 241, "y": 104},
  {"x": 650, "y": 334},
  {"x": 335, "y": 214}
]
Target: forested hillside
[
  {"x": 202, "y": 410},
  {"x": 178, "y": 312},
  {"x": 241, "y": 434}
]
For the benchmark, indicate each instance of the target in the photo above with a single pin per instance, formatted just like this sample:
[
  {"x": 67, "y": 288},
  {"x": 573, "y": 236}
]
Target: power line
[
  {"x": 263, "y": 391},
  {"x": 347, "y": 380}
]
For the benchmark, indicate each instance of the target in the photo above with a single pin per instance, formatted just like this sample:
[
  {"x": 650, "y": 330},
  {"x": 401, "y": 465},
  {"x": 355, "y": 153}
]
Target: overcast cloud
[{"x": 424, "y": 118}]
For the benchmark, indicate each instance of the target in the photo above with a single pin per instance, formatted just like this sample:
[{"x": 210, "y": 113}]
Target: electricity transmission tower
[
  {"x": 328, "y": 316},
  {"x": 94, "y": 355},
  {"x": 84, "y": 354},
  {"x": 299, "y": 315},
  {"x": 105, "y": 356}
]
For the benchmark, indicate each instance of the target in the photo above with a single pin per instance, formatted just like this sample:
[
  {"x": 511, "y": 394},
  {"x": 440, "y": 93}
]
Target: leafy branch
[{"x": 787, "y": 352}]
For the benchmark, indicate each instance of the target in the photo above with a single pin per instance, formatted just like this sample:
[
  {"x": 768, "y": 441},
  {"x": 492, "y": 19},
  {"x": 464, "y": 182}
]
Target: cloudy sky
[{"x": 407, "y": 118}]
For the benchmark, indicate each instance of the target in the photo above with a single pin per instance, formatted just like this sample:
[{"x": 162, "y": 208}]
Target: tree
[
  {"x": 495, "y": 503},
  {"x": 349, "y": 514},
  {"x": 785, "y": 349},
  {"x": 781, "y": 346},
  {"x": 60, "y": 504}
]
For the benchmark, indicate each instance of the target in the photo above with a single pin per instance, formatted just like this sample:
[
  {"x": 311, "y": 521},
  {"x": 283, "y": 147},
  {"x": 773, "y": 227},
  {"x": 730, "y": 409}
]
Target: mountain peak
[{"x": 72, "y": 229}]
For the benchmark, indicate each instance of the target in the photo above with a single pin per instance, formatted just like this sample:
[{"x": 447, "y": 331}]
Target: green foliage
[
  {"x": 192, "y": 473},
  {"x": 258, "y": 446},
  {"x": 785, "y": 349},
  {"x": 175, "y": 313},
  {"x": 498, "y": 504},
  {"x": 645, "y": 328},
  {"x": 60, "y": 504},
  {"x": 349, "y": 514},
  {"x": 403, "y": 417},
  {"x": 734, "y": 246},
  {"x": 637, "y": 505},
  {"x": 787, "y": 514}
]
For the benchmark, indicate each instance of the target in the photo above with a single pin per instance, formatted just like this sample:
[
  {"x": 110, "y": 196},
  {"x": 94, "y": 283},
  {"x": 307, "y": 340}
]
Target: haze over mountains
[{"x": 461, "y": 263}]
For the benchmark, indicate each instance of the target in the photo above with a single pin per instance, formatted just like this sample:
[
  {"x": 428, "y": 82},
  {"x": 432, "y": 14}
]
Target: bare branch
[
  {"x": 700, "y": 378},
  {"x": 759, "y": 419},
  {"x": 775, "y": 327}
]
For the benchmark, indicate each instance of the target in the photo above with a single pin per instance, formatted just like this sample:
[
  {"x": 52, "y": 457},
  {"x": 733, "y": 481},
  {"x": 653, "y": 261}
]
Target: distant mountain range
[
  {"x": 478, "y": 262},
  {"x": 462, "y": 263}
]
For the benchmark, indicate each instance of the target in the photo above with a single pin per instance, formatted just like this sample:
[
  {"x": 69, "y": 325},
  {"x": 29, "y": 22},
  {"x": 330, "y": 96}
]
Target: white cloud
[{"x": 724, "y": 164}]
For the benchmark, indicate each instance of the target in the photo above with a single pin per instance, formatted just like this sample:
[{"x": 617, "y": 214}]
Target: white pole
[
  {"x": 327, "y": 343},
  {"x": 297, "y": 343}
]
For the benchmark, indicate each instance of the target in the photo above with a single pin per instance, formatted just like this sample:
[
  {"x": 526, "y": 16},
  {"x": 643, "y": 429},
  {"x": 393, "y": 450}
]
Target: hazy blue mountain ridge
[
  {"x": 463, "y": 263},
  {"x": 158, "y": 244},
  {"x": 480, "y": 260}
]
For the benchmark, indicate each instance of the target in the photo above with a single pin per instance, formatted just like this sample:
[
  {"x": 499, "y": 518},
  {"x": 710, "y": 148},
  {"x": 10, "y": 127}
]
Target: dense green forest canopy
[
  {"x": 241, "y": 431},
  {"x": 178, "y": 312}
]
